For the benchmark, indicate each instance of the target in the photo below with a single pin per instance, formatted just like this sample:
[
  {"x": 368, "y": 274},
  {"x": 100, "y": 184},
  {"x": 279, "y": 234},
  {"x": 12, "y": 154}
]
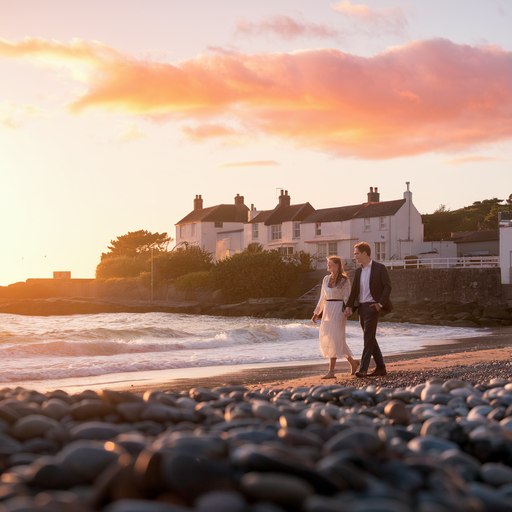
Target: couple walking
[{"x": 370, "y": 293}]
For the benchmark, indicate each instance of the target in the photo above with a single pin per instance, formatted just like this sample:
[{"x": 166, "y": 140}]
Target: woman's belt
[{"x": 334, "y": 300}]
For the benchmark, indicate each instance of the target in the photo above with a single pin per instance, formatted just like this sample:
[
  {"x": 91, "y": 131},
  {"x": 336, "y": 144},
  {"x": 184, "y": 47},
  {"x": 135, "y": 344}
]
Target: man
[{"x": 370, "y": 293}]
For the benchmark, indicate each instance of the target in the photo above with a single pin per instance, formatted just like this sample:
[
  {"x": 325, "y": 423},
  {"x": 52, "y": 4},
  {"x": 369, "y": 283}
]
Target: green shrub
[
  {"x": 193, "y": 281},
  {"x": 121, "y": 267},
  {"x": 253, "y": 275},
  {"x": 173, "y": 264},
  {"x": 302, "y": 260}
]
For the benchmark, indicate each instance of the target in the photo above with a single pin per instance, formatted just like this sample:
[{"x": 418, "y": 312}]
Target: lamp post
[{"x": 151, "y": 274}]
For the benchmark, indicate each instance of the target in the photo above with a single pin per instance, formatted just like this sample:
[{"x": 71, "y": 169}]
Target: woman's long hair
[{"x": 341, "y": 271}]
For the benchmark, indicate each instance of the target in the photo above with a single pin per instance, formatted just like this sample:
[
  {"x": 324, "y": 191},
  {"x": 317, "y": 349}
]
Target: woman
[{"x": 335, "y": 291}]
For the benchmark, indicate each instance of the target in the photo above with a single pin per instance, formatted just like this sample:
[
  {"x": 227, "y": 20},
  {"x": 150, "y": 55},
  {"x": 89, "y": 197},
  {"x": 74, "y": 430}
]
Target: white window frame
[
  {"x": 333, "y": 248},
  {"x": 380, "y": 251},
  {"x": 183, "y": 231},
  {"x": 193, "y": 230},
  {"x": 296, "y": 230},
  {"x": 255, "y": 231},
  {"x": 318, "y": 229},
  {"x": 367, "y": 224},
  {"x": 275, "y": 232},
  {"x": 218, "y": 224},
  {"x": 321, "y": 250},
  {"x": 383, "y": 223},
  {"x": 286, "y": 251}
]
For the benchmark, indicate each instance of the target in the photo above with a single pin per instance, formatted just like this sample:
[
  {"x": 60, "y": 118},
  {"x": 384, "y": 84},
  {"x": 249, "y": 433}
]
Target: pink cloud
[
  {"x": 286, "y": 28},
  {"x": 206, "y": 131},
  {"x": 471, "y": 159},
  {"x": 378, "y": 22},
  {"x": 256, "y": 163},
  {"x": 425, "y": 96}
]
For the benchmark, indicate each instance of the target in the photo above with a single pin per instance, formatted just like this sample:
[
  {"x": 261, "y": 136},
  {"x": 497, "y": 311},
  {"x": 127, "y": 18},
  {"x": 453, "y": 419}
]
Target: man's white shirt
[{"x": 364, "y": 284}]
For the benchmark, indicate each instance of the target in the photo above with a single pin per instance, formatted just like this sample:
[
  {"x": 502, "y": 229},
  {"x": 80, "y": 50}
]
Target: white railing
[{"x": 463, "y": 262}]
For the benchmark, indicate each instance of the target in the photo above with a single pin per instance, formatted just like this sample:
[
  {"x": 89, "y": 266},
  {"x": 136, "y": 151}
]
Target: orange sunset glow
[{"x": 104, "y": 124}]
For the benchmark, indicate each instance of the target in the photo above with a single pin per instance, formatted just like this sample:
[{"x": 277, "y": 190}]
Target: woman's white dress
[{"x": 332, "y": 328}]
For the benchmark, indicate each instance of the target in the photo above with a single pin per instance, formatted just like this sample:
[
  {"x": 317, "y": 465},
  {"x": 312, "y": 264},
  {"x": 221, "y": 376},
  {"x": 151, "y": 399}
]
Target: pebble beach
[{"x": 435, "y": 434}]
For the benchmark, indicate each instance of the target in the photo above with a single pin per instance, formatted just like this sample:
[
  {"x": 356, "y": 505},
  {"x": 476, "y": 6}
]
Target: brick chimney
[
  {"x": 284, "y": 198},
  {"x": 373, "y": 197},
  {"x": 239, "y": 201},
  {"x": 198, "y": 202}
]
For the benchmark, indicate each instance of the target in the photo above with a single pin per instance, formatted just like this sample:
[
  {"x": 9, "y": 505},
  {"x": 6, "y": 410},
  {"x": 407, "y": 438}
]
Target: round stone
[
  {"x": 55, "y": 408},
  {"x": 94, "y": 430},
  {"x": 397, "y": 411},
  {"x": 86, "y": 459},
  {"x": 221, "y": 501},
  {"x": 35, "y": 425},
  {"x": 430, "y": 444},
  {"x": 496, "y": 474},
  {"x": 287, "y": 490}
]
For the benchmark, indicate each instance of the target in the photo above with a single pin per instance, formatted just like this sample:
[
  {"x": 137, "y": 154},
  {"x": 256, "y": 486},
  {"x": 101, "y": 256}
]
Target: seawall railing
[{"x": 462, "y": 262}]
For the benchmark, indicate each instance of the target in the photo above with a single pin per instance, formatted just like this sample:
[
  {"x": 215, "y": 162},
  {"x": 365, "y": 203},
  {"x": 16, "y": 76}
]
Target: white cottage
[
  {"x": 279, "y": 228},
  {"x": 217, "y": 229},
  {"x": 393, "y": 229}
]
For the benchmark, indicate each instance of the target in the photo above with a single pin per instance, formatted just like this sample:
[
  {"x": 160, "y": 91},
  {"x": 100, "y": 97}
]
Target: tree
[
  {"x": 480, "y": 215},
  {"x": 136, "y": 243}
]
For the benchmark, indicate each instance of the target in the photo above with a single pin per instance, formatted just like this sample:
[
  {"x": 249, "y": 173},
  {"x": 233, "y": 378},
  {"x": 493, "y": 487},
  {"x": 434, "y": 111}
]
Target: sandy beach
[{"x": 449, "y": 357}]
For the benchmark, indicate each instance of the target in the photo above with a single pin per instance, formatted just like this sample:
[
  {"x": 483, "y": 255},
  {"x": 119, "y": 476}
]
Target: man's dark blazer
[{"x": 380, "y": 287}]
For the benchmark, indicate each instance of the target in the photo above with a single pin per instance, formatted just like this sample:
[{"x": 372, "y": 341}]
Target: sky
[{"x": 114, "y": 115}]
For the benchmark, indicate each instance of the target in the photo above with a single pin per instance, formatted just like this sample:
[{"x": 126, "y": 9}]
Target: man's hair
[{"x": 364, "y": 247}]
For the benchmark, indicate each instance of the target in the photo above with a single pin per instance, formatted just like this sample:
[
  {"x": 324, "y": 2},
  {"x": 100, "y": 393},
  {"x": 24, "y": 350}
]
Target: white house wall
[{"x": 506, "y": 254}]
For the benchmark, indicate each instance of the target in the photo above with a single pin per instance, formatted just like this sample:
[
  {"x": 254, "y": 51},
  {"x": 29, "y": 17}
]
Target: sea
[{"x": 35, "y": 348}]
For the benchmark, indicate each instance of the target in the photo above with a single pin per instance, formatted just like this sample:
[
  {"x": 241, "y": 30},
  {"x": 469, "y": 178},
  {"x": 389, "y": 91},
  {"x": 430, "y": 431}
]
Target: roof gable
[
  {"x": 338, "y": 214},
  {"x": 383, "y": 209},
  {"x": 295, "y": 212},
  {"x": 219, "y": 213}
]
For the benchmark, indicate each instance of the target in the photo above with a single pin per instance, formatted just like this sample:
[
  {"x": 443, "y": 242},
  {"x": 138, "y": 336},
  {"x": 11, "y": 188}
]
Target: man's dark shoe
[
  {"x": 361, "y": 375},
  {"x": 378, "y": 372}
]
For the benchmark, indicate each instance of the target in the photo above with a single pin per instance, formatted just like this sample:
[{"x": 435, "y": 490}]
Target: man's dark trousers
[{"x": 369, "y": 318}]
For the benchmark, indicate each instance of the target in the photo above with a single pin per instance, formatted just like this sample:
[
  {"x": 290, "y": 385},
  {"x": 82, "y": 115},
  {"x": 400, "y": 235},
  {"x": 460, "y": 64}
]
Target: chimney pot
[
  {"x": 198, "y": 202},
  {"x": 284, "y": 198},
  {"x": 373, "y": 195}
]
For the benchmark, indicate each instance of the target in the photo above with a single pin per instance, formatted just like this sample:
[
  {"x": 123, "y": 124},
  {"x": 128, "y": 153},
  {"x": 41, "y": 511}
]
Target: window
[
  {"x": 383, "y": 223},
  {"x": 318, "y": 229},
  {"x": 296, "y": 230},
  {"x": 333, "y": 249},
  {"x": 182, "y": 231},
  {"x": 367, "y": 225},
  {"x": 380, "y": 251},
  {"x": 255, "y": 231},
  {"x": 321, "y": 250},
  {"x": 286, "y": 251},
  {"x": 275, "y": 232},
  {"x": 193, "y": 229},
  {"x": 218, "y": 224}
]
